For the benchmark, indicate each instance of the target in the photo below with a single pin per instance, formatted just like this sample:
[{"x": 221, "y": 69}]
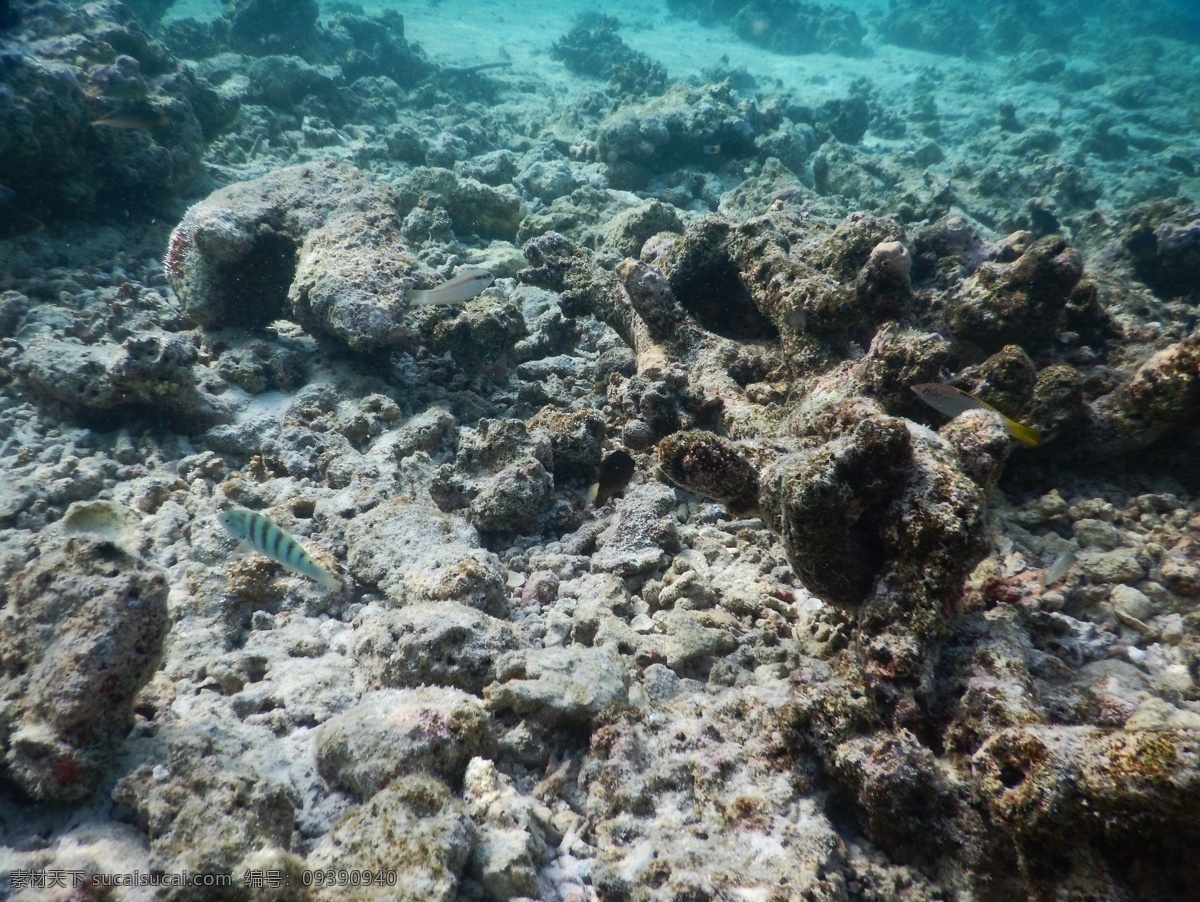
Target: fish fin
[
  {"x": 592, "y": 493},
  {"x": 423, "y": 299}
]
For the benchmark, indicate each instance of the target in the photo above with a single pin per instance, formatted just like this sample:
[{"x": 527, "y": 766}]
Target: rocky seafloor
[{"x": 808, "y": 652}]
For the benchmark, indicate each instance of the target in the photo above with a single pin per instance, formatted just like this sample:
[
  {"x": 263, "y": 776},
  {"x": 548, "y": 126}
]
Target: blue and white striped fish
[{"x": 275, "y": 542}]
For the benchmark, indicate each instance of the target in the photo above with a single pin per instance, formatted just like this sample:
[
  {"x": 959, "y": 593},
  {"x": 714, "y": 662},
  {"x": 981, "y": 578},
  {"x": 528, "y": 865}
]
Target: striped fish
[
  {"x": 467, "y": 284},
  {"x": 952, "y": 401},
  {"x": 273, "y": 541}
]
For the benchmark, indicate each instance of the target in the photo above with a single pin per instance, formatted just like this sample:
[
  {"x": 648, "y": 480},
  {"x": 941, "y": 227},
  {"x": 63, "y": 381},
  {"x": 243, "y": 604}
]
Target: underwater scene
[{"x": 685, "y": 450}]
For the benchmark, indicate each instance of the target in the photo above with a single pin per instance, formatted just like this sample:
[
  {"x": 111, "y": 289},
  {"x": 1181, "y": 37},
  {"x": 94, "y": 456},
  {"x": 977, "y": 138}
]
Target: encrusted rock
[
  {"x": 710, "y": 466},
  {"x": 1019, "y": 302},
  {"x": 472, "y": 207},
  {"x": 204, "y": 811},
  {"x": 415, "y": 553},
  {"x": 1180, "y": 567},
  {"x": 318, "y": 243},
  {"x": 444, "y": 644},
  {"x": 83, "y": 632},
  {"x": 511, "y": 843},
  {"x": 68, "y": 66},
  {"x": 153, "y": 371},
  {"x": 560, "y": 685},
  {"x": 1081, "y": 792},
  {"x": 415, "y": 828},
  {"x": 395, "y": 732},
  {"x": 641, "y": 534}
]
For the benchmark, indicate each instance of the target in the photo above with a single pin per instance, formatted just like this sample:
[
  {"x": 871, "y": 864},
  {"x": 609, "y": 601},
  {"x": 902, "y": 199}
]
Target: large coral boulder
[{"x": 317, "y": 243}]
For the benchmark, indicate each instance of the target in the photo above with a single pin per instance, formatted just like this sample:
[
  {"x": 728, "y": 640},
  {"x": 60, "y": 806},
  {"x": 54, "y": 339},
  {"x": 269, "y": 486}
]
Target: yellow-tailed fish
[
  {"x": 18, "y": 225},
  {"x": 952, "y": 401},
  {"x": 131, "y": 120},
  {"x": 275, "y": 542},
  {"x": 467, "y": 284},
  {"x": 1063, "y": 563},
  {"x": 615, "y": 472}
]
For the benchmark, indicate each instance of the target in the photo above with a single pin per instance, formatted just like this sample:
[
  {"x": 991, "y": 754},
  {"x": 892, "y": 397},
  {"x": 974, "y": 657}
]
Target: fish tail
[
  {"x": 291, "y": 554},
  {"x": 325, "y": 578},
  {"x": 1023, "y": 433}
]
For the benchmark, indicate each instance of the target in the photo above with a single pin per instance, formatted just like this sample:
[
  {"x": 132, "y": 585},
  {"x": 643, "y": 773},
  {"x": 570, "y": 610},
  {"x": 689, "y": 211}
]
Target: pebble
[
  {"x": 1098, "y": 534},
  {"x": 1130, "y": 601},
  {"x": 1119, "y": 566}
]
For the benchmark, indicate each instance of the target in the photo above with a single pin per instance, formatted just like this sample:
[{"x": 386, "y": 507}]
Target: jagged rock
[{"x": 84, "y": 626}]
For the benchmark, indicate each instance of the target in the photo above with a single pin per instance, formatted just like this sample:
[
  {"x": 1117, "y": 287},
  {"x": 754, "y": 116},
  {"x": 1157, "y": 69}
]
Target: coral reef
[
  {"x": 68, "y": 68},
  {"x": 784, "y": 26},
  {"x": 813, "y": 637},
  {"x": 593, "y": 48},
  {"x": 292, "y": 244}
]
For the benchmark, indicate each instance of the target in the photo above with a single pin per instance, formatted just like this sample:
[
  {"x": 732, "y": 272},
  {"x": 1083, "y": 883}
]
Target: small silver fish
[
  {"x": 264, "y": 536},
  {"x": 467, "y": 284},
  {"x": 1063, "y": 563}
]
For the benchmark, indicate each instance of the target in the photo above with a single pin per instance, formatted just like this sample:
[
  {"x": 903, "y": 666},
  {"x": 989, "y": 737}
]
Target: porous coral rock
[
  {"x": 442, "y": 644},
  {"x": 1162, "y": 395},
  {"x": 303, "y": 242},
  {"x": 1103, "y": 789},
  {"x": 84, "y": 626},
  {"x": 710, "y": 466},
  {"x": 472, "y": 207},
  {"x": 575, "y": 440},
  {"x": 593, "y": 48},
  {"x": 798, "y": 27},
  {"x": 697, "y": 806},
  {"x": 1163, "y": 239},
  {"x": 203, "y": 810},
  {"x": 152, "y": 371},
  {"x": 512, "y": 834},
  {"x": 670, "y": 131},
  {"x": 260, "y": 27},
  {"x": 641, "y": 532},
  {"x": 557, "y": 686},
  {"x": 1019, "y": 302},
  {"x": 68, "y": 66},
  {"x": 396, "y": 732},
  {"x": 416, "y": 828},
  {"x": 1180, "y": 567},
  {"x": 415, "y": 553}
]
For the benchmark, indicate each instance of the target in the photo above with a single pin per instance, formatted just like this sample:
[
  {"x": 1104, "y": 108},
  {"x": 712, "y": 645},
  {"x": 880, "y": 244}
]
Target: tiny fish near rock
[
  {"x": 1062, "y": 564},
  {"x": 266, "y": 537},
  {"x": 463, "y": 287},
  {"x": 952, "y": 401},
  {"x": 616, "y": 470}
]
